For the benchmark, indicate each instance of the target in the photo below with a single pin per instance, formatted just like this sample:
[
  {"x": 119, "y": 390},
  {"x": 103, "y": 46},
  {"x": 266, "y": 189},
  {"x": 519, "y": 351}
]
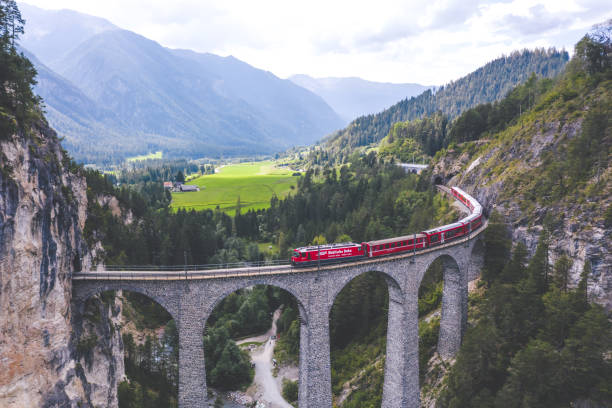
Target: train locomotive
[{"x": 349, "y": 251}]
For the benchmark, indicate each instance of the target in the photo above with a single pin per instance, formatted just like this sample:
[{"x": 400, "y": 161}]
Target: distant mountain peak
[
  {"x": 352, "y": 97},
  {"x": 51, "y": 34}
]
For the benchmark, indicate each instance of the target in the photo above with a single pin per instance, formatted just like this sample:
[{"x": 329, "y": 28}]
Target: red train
[{"x": 350, "y": 251}]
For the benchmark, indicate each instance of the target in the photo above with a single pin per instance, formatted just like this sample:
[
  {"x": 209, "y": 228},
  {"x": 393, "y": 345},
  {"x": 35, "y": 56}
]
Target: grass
[
  {"x": 264, "y": 247},
  {"x": 150, "y": 156},
  {"x": 255, "y": 183}
]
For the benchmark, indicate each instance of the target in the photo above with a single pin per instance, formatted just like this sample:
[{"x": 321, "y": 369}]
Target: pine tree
[
  {"x": 497, "y": 247},
  {"x": 515, "y": 269},
  {"x": 537, "y": 271},
  {"x": 562, "y": 272}
]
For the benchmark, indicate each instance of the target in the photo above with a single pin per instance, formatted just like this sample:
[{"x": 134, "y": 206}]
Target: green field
[
  {"x": 150, "y": 156},
  {"x": 255, "y": 183}
]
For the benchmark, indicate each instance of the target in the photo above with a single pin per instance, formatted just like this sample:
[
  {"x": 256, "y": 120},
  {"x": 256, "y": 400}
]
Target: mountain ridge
[
  {"x": 352, "y": 97},
  {"x": 481, "y": 86}
]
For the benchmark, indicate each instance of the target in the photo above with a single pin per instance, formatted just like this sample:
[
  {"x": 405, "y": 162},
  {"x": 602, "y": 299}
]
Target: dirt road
[{"x": 268, "y": 388}]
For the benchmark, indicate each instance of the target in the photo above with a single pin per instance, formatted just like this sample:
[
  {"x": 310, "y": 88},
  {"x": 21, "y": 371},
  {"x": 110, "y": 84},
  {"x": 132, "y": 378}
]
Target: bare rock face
[
  {"x": 42, "y": 213},
  {"x": 99, "y": 349}
]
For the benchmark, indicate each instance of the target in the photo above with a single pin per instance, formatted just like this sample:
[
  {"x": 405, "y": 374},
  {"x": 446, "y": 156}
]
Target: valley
[
  {"x": 134, "y": 172},
  {"x": 249, "y": 186}
]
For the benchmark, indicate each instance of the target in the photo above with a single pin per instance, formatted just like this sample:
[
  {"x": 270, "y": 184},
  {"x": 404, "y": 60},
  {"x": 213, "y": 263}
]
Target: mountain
[
  {"x": 87, "y": 125},
  {"x": 487, "y": 84},
  {"x": 548, "y": 180},
  {"x": 354, "y": 97},
  {"x": 140, "y": 97},
  {"x": 51, "y": 34}
]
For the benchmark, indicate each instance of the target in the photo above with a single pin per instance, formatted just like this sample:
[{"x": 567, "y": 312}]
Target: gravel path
[{"x": 268, "y": 389}]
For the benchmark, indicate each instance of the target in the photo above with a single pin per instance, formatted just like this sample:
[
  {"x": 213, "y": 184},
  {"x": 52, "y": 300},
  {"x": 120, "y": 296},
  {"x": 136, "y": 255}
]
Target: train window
[
  {"x": 450, "y": 233},
  {"x": 434, "y": 238},
  {"x": 409, "y": 242},
  {"x": 386, "y": 246},
  {"x": 309, "y": 256}
]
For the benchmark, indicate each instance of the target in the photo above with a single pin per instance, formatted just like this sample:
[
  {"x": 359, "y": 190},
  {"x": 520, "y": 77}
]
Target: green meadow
[{"x": 255, "y": 183}]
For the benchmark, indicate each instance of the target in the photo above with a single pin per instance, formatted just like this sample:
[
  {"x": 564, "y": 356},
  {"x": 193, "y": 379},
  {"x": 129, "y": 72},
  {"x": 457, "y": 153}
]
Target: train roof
[
  {"x": 444, "y": 227},
  {"x": 328, "y": 246},
  {"x": 467, "y": 197},
  {"x": 395, "y": 239},
  {"x": 471, "y": 217}
]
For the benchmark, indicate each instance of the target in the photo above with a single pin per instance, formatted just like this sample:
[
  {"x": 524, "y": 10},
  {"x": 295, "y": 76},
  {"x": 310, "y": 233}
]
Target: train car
[
  {"x": 440, "y": 235},
  {"x": 326, "y": 254},
  {"x": 394, "y": 245},
  {"x": 331, "y": 253},
  {"x": 464, "y": 197},
  {"x": 467, "y": 199},
  {"x": 474, "y": 220}
]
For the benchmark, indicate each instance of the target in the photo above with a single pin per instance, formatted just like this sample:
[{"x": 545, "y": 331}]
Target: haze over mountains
[
  {"x": 354, "y": 97},
  {"x": 113, "y": 93}
]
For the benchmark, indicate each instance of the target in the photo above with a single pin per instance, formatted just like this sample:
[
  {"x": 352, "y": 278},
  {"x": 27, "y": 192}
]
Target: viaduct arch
[{"x": 190, "y": 299}]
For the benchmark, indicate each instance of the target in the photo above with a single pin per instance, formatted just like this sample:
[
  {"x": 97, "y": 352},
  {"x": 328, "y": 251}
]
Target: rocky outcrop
[
  {"x": 578, "y": 227},
  {"x": 42, "y": 215},
  {"x": 99, "y": 348}
]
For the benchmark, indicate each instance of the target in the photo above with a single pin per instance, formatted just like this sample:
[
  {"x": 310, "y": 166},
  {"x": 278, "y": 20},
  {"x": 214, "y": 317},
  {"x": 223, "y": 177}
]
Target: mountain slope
[
  {"x": 136, "y": 96},
  {"x": 549, "y": 179},
  {"x": 486, "y": 84},
  {"x": 354, "y": 97},
  {"x": 551, "y": 170}
]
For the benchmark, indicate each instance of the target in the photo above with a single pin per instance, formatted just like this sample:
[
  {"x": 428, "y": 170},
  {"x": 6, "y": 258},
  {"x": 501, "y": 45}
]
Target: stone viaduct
[{"x": 191, "y": 297}]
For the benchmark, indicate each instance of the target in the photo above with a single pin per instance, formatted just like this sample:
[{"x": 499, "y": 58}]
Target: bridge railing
[
  {"x": 184, "y": 272},
  {"x": 193, "y": 267}
]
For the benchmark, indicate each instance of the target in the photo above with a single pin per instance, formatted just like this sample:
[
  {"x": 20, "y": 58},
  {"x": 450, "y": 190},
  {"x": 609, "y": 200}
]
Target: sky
[{"x": 429, "y": 42}]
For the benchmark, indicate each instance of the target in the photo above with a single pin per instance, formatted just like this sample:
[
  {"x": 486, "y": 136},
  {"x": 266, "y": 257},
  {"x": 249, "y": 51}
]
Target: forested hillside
[{"x": 487, "y": 84}]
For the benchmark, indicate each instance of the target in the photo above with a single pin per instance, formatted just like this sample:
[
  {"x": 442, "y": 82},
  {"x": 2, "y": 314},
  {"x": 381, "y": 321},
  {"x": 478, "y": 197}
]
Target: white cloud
[{"x": 426, "y": 41}]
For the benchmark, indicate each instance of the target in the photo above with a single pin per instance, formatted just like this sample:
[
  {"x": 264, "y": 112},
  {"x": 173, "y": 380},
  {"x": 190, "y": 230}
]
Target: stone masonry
[{"x": 191, "y": 301}]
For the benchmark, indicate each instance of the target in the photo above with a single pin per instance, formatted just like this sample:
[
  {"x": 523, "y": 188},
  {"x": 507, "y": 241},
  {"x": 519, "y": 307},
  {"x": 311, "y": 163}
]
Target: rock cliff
[
  {"x": 520, "y": 172},
  {"x": 43, "y": 205}
]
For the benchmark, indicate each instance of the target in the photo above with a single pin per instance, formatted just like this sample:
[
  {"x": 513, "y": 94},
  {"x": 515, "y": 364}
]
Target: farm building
[{"x": 186, "y": 188}]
